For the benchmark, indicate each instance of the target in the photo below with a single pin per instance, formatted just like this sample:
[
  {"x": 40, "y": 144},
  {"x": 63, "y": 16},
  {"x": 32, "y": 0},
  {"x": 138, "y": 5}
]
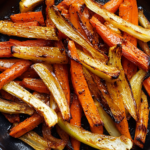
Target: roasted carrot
[
  {"x": 125, "y": 12},
  {"x": 28, "y": 17},
  {"x": 37, "y": 43},
  {"x": 65, "y": 13},
  {"x": 146, "y": 84},
  {"x": 112, "y": 5},
  {"x": 61, "y": 72},
  {"x": 26, "y": 126},
  {"x": 76, "y": 113},
  {"x": 35, "y": 85},
  {"x": 49, "y": 22},
  {"x": 14, "y": 71},
  {"x": 129, "y": 51},
  {"x": 142, "y": 123},
  {"x": 30, "y": 73},
  {"x": 82, "y": 91}
]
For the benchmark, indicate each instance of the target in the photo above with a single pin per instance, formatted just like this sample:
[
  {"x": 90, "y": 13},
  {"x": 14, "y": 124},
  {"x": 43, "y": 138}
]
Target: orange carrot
[
  {"x": 129, "y": 51},
  {"x": 14, "y": 71},
  {"x": 76, "y": 113},
  {"x": 81, "y": 89},
  {"x": 30, "y": 73},
  {"x": 65, "y": 13},
  {"x": 112, "y": 5},
  {"x": 125, "y": 12},
  {"x": 28, "y": 17},
  {"x": 37, "y": 43},
  {"x": 146, "y": 84},
  {"x": 26, "y": 126},
  {"x": 49, "y": 22},
  {"x": 5, "y": 51},
  {"x": 35, "y": 85}
]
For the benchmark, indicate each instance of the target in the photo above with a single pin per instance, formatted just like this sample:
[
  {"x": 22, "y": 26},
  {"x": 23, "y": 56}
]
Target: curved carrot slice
[
  {"x": 35, "y": 85},
  {"x": 125, "y": 12},
  {"x": 28, "y": 17},
  {"x": 146, "y": 84},
  {"x": 112, "y": 5},
  {"x": 129, "y": 51},
  {"x": 76, "y": 113},
  {"x": 13, "y": 72},
  {"x": 82, "y": 91}
]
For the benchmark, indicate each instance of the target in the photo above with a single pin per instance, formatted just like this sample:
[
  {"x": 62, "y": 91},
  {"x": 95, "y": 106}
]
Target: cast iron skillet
[{"x": 8, "y": 7}]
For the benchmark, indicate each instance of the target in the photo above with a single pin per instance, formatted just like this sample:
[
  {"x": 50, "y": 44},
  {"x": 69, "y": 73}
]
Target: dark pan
[{"x": 8, "y": 7}]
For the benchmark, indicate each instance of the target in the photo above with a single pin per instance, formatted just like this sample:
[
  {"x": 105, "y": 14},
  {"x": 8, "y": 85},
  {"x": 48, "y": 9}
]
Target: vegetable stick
[
  {"x": 144, "y": 46},
  {"x": 35, "y": 23},
  {"x": 53, "y": 85},
  {"x": 121, "y": 92},
  {"x": 15, "y": 89},
  {"x": 128, "y": 50},
  {"x": 53, "y": 104},
  {"x": 76, "y": 113},
  {"x": 146, "y": 84},
  {"x": 28, "y": 17},
  {"x": 125, "y": 12},
  {"x": 35, "y": 141},
  {"x": 61, "y": 72},
  {"x": 15, "y": 108},
  {"x": 49, "y": 22},
  {"x": 35, "y": 85},
  {"x": 14, "y": 71},
  {"x": 26, "y": 126},
  {"x": 5, "y": 51},
  {"x": 142, "y": 123},
  {"x": 112, "y": 5},
  {"x": 97, "y": 141},
  {"x": 13, "y": 29},
  {"x": 46, "y": 54},
  {"x": 82, "y": 91},
  {"x": 65, "y": 13},
  {"x": 136, "y": 86},
  {"x": 37, "y": 42},
  {"x": 52, "y": 141}
]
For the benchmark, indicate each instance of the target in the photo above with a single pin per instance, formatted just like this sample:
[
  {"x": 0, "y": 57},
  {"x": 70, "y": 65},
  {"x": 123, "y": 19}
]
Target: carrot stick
[
  {"x": 76, "y": 113},
  {"x": 125, "y": 12},
  {"x": 30, "y": 73},
  {"x": 82, "y": 91},
  {"x": 61, "y": 72},
  {"x": 28, "y": 17},
  {"x": 26, "y": 126},
  {"x": 5, "y": 51},
  {"x": 35, "y": 85},
  {"x": 129, "y": 51},
  {"x": 13, "y": 72},
  {"x": 49, "y": 22},
  {"x": 146, "y": 84},
  {"x": 112, "y": 5},
  {"x": 38, "y": 43}
]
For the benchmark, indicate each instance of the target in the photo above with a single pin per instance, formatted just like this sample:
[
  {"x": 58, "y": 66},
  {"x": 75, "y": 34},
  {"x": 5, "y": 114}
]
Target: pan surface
[{"x": 8, "y": 7}]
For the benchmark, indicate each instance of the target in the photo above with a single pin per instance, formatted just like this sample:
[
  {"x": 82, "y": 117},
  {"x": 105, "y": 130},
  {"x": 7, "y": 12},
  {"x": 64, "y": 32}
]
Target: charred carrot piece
[
  {"x": 14, "y": 71},
  {"x": 76, "y": 113},
  {"x": 129, "y": 51},
  {"x": 82, "y": 91},
  {"x": 28, "y": 17},
  {"x": 38, "y": 43},
  {"x": 26, "y": 126},
  {"x": 125, "y": 12},
  {"x": 35, "y": 85},
  {"x": 112, "y": 5},
  {"x": 30, "y": 73},
  {"x": 142, "y": 123},
  {"x": 49, "y": 22}
]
